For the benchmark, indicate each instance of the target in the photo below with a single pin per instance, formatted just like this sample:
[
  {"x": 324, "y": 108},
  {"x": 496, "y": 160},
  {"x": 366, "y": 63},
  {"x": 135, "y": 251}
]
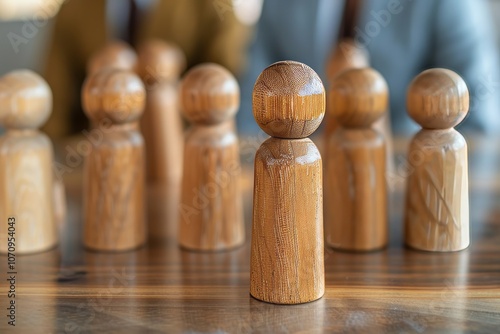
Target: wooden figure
[
  {"x": 437, "y": 197},
  {"x": 349, "y": 55},
  {"x": 160, "y": 66},
  {"x": 114, "y": 180},
  {"x": 355, "y": 186},
  {"x": 211, "y": 211},
  {"x": 26, "y": 157},
  {"x": 287, "y": 259},
  {"x": 346, "y": 55},
  {"x": 115, "y": 54}
]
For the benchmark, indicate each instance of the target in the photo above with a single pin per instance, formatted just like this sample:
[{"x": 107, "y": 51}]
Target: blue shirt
[{"x": 403, "y": 38}]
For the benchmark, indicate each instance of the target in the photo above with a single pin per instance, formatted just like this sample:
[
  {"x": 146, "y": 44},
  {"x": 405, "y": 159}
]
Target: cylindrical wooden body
[
  {"x": 383, "y": 126},
  {"x": 113, "y": 192},
  {"x": 26, "y": 191},
  {"x": 356, "y": 191},
  {"x": 287, "y": 255},
  {"x": 161, "y": 127},
  {"x": 211, "y": 211},
  {"x": 437, "y": 198}
]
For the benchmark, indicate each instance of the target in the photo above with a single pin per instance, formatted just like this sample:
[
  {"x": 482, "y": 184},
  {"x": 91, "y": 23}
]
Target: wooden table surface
[{"x": 162, "y": 289}]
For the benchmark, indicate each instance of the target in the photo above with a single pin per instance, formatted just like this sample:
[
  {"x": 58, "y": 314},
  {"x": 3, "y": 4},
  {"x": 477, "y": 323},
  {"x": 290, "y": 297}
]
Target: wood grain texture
[
  {"x": 209, "y": 94},
  {"x": 26, "y": 181},
  {"x": 359, "y": 97},
  {"x": 437, "y": 196},
  {"x": 211, "y": 209},
  {"x": 162, "y": 288},
  {"x": 286, "y": 265},
  {"x": 355, "y": 184},
  {"x": 287, "y": 232},
  {"x": 288, "y": 100},
  {"x": 355, "y": 191},
  {"x": 437, "y": 204},
  {"x": 438, "y": 99},
  {"x": 26, "y": 157},
  {"x": 114, "y": 211},
  {"x": 113, "y": 193}
]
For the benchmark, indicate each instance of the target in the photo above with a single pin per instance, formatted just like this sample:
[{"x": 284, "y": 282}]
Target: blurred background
[{"x": 243, "y": 36}]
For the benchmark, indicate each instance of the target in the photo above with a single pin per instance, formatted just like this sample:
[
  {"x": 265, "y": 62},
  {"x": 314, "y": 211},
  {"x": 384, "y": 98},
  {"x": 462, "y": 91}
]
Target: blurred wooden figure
[
  {"x": 26, "y": 155},
  {"x": 160, "y": 66},
  {"x": 351, "y": 55},
  {"x": 346, "y": 55},
  {"x": 114, "y": 180},
  {"x": 211, "y": 211},
  {"x": 287, "y": 232},
  {"x": 437, "y": 197},
  {"x": 355, "y": 186},
  {"x": 116, "y": 54}
]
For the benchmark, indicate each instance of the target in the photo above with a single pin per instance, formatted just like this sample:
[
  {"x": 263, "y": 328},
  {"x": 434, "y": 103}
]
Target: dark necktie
[
  {"x": 133, "y": 20},
  {"x": 350, "y": 18}
]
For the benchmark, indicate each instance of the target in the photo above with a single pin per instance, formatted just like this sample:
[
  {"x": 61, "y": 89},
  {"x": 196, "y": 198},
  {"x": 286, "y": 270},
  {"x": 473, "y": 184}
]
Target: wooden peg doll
[
  {"x": 114, "y": 180},
  {"x": 437, "y": 195},
  {"x": 287, "y": 231}
]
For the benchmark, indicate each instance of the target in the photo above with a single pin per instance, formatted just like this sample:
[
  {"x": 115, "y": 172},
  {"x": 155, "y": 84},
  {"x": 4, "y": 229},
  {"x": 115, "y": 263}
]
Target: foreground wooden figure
[
  {"x": 211, "y": 210},
  {"x": 26, "y": 156},
  {"x": 114, "y": 180},
  {"x": 287, "y": 256},
  {"x": 355, "y": 186},
  {"x": 437, "y": 197}
]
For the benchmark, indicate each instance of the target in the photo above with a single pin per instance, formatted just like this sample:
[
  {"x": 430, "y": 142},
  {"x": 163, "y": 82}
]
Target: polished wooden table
[{"x": 163, "y": 289}]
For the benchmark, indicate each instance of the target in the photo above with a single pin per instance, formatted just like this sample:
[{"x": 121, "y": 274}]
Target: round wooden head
[
  {"x": 438, "y": 99},
  {"x": 116, "y": 54},
  {"x": 113, "y": 94},
  {"x": 358, "y": 97},
  {"x": 160, "y": 61},
  {"x": 288, "y": 100},
  {"x": 348, "y": 54},
  {"x": 25, "y": 100},
  {"x": 209, "y": 94}
]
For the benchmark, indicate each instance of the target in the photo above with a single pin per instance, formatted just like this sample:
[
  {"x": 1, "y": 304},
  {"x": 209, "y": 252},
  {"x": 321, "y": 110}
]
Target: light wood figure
[
  {"x": 26, "y": 157},
  {"x": 115, "y": 54},
  {"x": 437, "y": 198},
  {"x": 287, "y": 259},
  {"x": 211, "y": 211},
  {"x": 355, "y": 186},
  {"x": 114, "y": 180},
  {"x": 350, "y": 55},
  {"x": 160, "y": 66}
]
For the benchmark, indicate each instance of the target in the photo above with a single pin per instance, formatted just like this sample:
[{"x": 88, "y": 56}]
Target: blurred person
[
  {"x": 206, "y": 30},
  {"x": 402, "y": 37}
]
